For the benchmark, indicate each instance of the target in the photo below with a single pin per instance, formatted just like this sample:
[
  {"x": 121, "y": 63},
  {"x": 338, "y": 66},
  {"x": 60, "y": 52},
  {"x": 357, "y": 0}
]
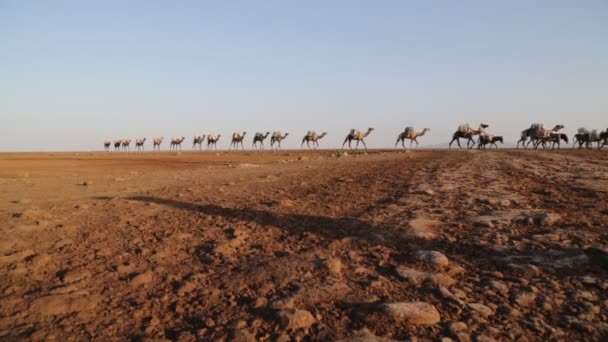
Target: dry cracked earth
[{"x": 304, "y": 246}]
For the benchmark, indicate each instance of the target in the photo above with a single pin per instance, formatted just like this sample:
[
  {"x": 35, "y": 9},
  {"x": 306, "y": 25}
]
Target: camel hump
[
  {"x": 537, "y": 126},
  {"x": 352, "y": 131},
  {"x": 409, "y": 129},
  {"x": 464, "y": 128},
  {"x": 594, "y": 134},
  {"x": 582, "y": 130}
]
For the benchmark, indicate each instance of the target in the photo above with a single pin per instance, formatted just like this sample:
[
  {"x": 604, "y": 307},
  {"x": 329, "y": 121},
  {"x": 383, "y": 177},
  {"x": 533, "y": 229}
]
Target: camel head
[
  {"x": 369, "y": 130},
  {"x": 424, "y": 131},
  {"x": 558, "y": 127},
  {"x": 484, "y": 126},
  {"x": 322, "y": 135}
]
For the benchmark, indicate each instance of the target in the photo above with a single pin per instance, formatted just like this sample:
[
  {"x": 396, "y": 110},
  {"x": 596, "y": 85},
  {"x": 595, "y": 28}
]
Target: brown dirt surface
[{"x": 311, "y": 246}]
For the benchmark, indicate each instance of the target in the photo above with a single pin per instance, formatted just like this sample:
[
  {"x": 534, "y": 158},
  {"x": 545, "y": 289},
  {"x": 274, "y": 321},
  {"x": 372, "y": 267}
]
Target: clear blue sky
[{"x": 73, "y": 73}]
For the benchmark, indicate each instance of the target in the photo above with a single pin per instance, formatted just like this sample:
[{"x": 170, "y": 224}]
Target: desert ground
[{"x": 304, "y": 246}]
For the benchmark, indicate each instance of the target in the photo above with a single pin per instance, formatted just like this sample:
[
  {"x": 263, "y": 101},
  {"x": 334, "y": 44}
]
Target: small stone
[
  {"x": 498, "y": 286},
  {"x": 433, "y": 257},
  {"x": 295, "y": 319},
  {"x": 259, "y": 303},
  {"x": 239, "y": 324},
  {"x": 242, "y": 335},
  {"x": 283, "y": 303},
  {"x": 335, "y": 266},
  {"x": 412, "y": 312},
  {"x": 142, "y": 279},
  {"x": 524, "y": 298},
  {"x": 509, "y": 311},
  {"x": 481, "y": 309},
  {"x": 456, "y": 327}
]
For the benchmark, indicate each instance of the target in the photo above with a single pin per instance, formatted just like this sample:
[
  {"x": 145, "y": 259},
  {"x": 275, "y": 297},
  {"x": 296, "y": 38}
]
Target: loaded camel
[
  {"x": 411, "y": 134},
  {"x": 139, "y": 143},
  {"x": 489, "y": 139},
  {"x": 466, "y": 132},
  {"x": 198, "y": 140},
  {"x": 106, "y": 145},
  {"x": 277, "y": 137},
  {"x": 259, "y": 137},
  {"x": 535, "y": 133},
  {"x": 237, "y": 137},
  {"x": 117, "y": 144},
  {"x": 604, "y": 138},
  {"x": 126, "y": 144},
  {"x": 312, "y": 136},
  {"x": 553, "y": 138},
  {"x": 584, "y": 136},
  {"x": 177, "y": 142},
  {"x": 212, "y": 140},
  {"x": 157, "y": 141},
  {"x": 356, "y": 135}
]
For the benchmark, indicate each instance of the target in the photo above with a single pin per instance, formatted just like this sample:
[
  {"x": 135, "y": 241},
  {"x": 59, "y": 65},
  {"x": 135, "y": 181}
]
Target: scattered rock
[
  {"x": 283, "y": 303},
  {"x": 481, "y": 309},
  {"x": 63, "y": 304},
  {"x": 423, "y": 228},
  {"x": 498, "y": 286},
  {"x": 142, "y": 279},
  {"x": 411, "y": 312},
  {"x": 295, "y": 319},
  {"x": 456, "y": 327},
  {"x": 524, "y": 298},
  {"x": 365, "y": 335},
  {"x": 335, "y": 266},
  {"x": 242, "y": 335},
  {"x": 547, "y": 219},
  {"x": 433, "y": 257}
]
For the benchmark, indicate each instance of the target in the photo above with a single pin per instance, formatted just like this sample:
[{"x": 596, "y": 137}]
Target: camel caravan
[{"x": 535, "y": 136}]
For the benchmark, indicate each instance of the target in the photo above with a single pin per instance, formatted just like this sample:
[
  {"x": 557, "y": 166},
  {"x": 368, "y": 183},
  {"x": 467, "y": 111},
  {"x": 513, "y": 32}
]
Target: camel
[
  {"x": 139, "y": 143},
  {"x": 198, "y": 140},
  {"x": 356, "y": 135},
  {"x": 177, "y": 142},
  {"x": 277, "y": 137},
  {"x": 236, "y": 139},
  {"x": 126, "y": 144},
  {"x": 117, "y": 144},
  {"x": 212, "y": 140},
  {"x": 553, "y": 138},
  {"x": 579, "y": 138},
  {"x": 604, "y": 138},
  {"x": 312, "y": 136},
  {"x": 587, "y": 137},
  {"x": 536, "y": 132},
  {"x": 489, "y": 139},
  {"x": 411, "y": 134},
  {"x": 259, "y": 137},
  {"x": 157, "y": 141},
  {"x": 466, "y": 132},
  {"x": 106, "y": 145}
]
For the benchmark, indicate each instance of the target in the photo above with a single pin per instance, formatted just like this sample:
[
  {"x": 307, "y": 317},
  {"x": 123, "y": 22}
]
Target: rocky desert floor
[{"x": 304, "y": 246}]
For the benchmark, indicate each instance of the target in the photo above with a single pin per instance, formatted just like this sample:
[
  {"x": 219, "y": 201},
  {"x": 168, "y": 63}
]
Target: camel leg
[
  {"x": 417, "y": 144},
  {"x": 344, "y": 143},
  {"x": 357, "y": 146},
  {"x": 397, "y": 142},
  {"x": 363, "y": 142},
  {"x": 458, "y": 142}
]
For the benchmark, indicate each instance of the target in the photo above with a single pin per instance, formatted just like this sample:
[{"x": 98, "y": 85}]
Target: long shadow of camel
[
  {"x": 332, "y": 227},
  {"x": 341, "y": 227}
]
